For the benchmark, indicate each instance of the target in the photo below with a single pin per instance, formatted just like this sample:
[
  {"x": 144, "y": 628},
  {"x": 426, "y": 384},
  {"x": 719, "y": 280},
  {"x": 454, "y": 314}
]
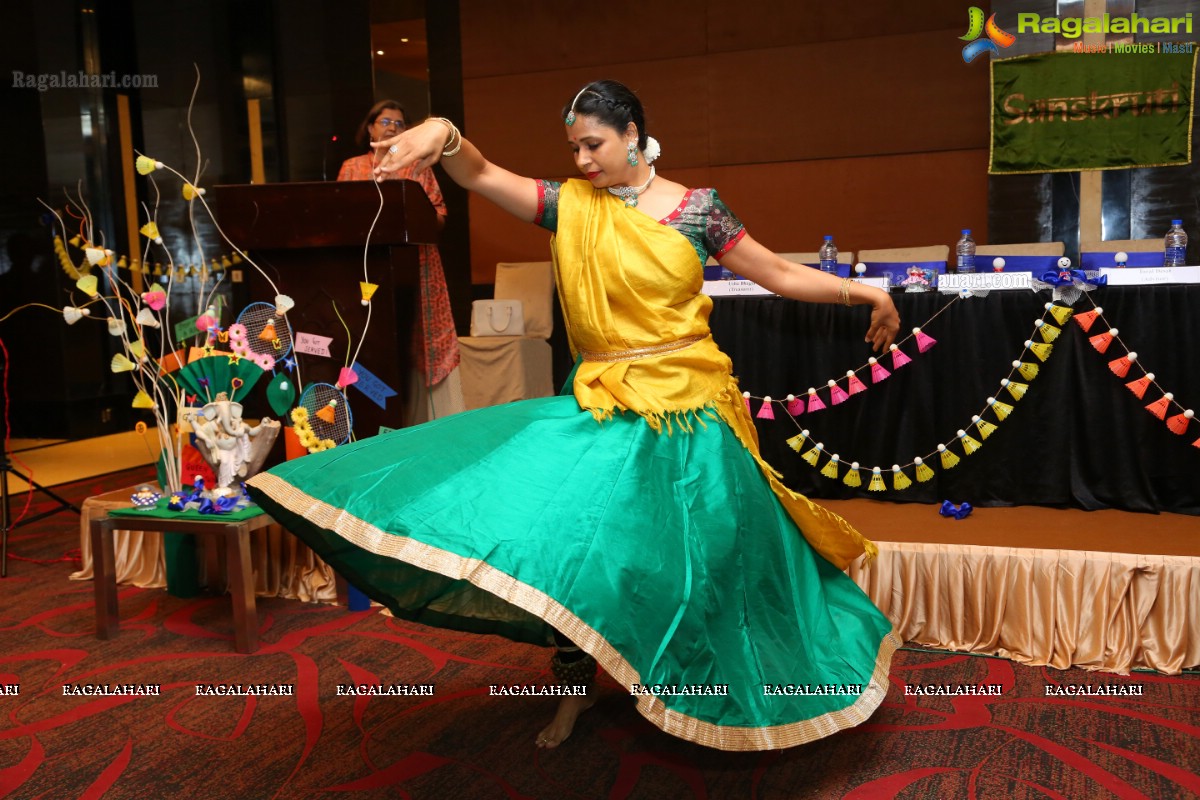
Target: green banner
[{"x": 1124, "y": 106}]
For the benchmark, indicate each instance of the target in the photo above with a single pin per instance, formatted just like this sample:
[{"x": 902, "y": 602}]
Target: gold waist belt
[{"x": 642, "y": 352}]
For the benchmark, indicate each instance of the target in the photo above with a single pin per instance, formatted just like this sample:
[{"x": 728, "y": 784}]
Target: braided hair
[{"x": 613, "y": 104}]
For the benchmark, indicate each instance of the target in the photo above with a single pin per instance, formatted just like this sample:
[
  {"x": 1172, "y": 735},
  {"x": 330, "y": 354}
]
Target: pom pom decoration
[
  {"x": 1101, "y": 341},
  {"x": 854, "y": 383},
  {"x": 72, "y": 314},
  {"x": 814, "y": 454},
  {"x": 924, "y": 471},
  {"x": 1120, "y": 366},
  {"x": 1179, "y": 423},
  {"x": 142, "y": 400},
  {"x": 876, "y": 484},
  {"x": 899, "y": 359},
  {"x": 87, "y": 285},
  {"x": 878, "y": 371},
  {"x": 1042, "y": 351},
  {"x": 1159, "y": 407},
  {"x": 1017, "y": 390},
  {"x": 1139, "y": 386},
  {"x": 830, "y": 470},
  {"x": 1086, "y": 319},
  {"x": 145, "y": 318},
  {"x": 766, "y": 411},
  {"x": 797, "y": 441},
  {"x": 924, "y": 340},
  {"x": 1001, "y": 410},
  {"x": 984, "y": 427},
  {"x": 795, "y": 406},
  {"x": 969, "y": 443},
  {"x": 368, "y": 291},
  {"x": 1060, "y": 313},
  {"x": 899, "y": 479},
  {"x": 814, "y": 402},
  {"x": 329, "y": 412},
  {"x": 836, "y": 393},
  {"x": 120, "y": 363},
  {"x": 949, "y": 460},
  {"x": 146, "y": 165},
  {"x": 853, "y": 477}
]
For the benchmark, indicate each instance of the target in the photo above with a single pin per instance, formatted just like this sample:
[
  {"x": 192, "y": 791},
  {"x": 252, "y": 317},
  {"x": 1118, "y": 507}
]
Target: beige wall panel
[
  {"x": 902, "y": 94},
  {"x": 886, "y": 201},
  {"x": 522, "y": 36},
  {"x": 516, "y": 120},
  {"x": 770, "y": 23}
]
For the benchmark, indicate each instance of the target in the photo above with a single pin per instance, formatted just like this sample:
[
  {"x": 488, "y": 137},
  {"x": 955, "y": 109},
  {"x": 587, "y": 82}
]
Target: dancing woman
[{"x": 632, "y": 521}]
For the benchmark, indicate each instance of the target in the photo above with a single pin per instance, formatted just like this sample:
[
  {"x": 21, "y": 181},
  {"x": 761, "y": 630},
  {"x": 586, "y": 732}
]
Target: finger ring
[{"x": 392, "y": 149}]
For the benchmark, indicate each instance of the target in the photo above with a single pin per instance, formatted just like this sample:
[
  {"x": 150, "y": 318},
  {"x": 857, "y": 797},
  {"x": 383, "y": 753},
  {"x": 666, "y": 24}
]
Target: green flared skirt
[{"x": 667, "y": 557}]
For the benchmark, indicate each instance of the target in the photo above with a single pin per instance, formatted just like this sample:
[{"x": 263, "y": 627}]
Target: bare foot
[{"x": 569, "y": 709}]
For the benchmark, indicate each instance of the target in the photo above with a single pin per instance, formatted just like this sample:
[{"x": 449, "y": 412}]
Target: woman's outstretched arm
[
  {"x": 423, "y": 145},
  {"x": 800, "y": 282}
]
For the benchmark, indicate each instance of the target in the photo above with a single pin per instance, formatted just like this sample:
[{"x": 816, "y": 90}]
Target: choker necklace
[{"x": 630, "y": 193}]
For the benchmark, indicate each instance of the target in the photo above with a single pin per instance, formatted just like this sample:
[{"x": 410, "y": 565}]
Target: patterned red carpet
[{"x": 462, "y": 743}]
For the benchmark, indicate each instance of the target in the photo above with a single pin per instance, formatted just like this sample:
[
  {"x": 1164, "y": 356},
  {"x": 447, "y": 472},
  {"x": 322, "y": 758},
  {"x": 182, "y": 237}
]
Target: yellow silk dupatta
[{"x": 626, "y": 282}]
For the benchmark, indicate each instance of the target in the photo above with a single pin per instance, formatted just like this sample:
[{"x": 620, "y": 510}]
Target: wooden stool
[{"x": 236, "y": 535}]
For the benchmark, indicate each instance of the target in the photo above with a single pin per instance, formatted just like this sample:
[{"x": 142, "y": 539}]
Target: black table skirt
[{"x": 1079, "y": 438}]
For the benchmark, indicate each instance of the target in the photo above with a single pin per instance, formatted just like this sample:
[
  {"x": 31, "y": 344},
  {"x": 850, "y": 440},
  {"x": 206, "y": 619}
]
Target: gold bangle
[
  {"x": 844, "y": 292},
  {"x": 454, "y": 143}
]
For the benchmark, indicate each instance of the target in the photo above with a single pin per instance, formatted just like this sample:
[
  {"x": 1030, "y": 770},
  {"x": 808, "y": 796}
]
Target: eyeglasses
[{"x": 398, "y": 124}]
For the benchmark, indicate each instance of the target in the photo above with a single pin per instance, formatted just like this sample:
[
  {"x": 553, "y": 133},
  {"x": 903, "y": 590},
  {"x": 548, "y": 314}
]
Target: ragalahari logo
[{"x": 996, "y": 36}]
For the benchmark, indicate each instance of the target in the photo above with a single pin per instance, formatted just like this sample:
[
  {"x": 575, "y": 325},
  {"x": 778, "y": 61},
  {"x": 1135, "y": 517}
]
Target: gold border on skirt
[{"x": 504, "y": 586}]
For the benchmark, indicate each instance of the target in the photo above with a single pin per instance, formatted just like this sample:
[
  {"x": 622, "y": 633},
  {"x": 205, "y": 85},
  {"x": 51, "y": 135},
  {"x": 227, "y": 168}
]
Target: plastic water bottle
[
  {"x": 965, "y": 249},
  {"x": 1175, "y": 245},
  {"x": 828, "y": 255}
]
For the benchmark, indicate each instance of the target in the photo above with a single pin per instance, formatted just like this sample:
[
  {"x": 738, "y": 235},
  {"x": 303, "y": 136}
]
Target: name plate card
[
  {"x": 1144, "y": 276},
  {"x": 991, "y": 281},
  {"x": 735, "y": 288}
]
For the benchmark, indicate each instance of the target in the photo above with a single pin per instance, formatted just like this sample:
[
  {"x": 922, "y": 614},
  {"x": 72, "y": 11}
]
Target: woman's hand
[
  {"x": 885, "y": 323},
  {"x": 422, "y": 145}
]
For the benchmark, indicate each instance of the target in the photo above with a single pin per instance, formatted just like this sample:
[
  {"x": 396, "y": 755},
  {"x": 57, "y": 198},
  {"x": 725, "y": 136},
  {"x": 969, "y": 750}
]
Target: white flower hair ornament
[{"x": 652, "y": 150}]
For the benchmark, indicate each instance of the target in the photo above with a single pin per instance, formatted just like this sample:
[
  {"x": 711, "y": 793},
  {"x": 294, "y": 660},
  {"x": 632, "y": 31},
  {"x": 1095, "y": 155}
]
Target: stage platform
[{"x": 1103, "y": 590}]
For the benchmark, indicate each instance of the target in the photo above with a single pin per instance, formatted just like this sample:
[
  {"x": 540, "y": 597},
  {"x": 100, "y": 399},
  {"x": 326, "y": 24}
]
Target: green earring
[{"x": 631, "y": 155}]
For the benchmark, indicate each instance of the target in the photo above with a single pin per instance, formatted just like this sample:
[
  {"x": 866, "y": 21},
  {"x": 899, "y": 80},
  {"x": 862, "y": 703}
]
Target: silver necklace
[{"x": 630, "y": 193}]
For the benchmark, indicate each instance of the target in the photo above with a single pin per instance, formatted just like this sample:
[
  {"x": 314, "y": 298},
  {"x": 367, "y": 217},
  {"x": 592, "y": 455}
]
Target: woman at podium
[
  {"x": 630, "y": 520},
  {"x": 436, "y": 390}
]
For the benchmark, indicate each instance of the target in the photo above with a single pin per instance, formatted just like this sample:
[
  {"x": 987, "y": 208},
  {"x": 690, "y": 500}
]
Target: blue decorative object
[
  {"x": 948, "y": 509},
  {"x": 145, "y": 497}
]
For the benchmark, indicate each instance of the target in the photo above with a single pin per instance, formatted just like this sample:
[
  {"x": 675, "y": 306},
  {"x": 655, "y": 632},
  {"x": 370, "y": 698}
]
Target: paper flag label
[
  {"x": 376, "y": 390},
  {"x": 312, "y": 344},
  {"x": 171, "y": 362},
  {"x": 186, "y": 329},
  {"x": 385, "y": 429}
]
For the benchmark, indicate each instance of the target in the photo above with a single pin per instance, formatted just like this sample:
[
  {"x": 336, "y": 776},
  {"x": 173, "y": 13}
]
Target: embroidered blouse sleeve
[
  {"x": 722, "y": 230},
  {"x": 547, "y": 207}
]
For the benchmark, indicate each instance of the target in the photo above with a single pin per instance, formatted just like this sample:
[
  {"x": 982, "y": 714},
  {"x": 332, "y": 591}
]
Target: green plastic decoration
[{"x": 281, "y": 394}]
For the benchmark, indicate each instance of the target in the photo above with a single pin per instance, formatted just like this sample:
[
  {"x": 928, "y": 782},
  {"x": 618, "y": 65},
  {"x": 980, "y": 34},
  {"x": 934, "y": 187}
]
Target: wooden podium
[{"x": 310, "y": 237}]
